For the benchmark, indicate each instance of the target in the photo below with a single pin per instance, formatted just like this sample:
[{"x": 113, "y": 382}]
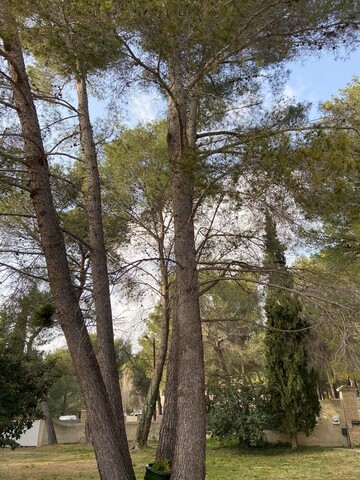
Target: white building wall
[{"x": 30, "y": 437}]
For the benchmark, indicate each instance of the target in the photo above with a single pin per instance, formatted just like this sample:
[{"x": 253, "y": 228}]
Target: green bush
[
  {"x": 162, "y": 465},
  {"x": 22, "y": 388},
  {"x": 236, "y": 411}
]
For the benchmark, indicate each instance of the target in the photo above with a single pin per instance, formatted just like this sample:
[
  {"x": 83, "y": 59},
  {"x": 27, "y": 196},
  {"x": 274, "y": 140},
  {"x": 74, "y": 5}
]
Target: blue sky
[
  {"x": 318, "y": 79},
  {"x": 314, "y": 80}
]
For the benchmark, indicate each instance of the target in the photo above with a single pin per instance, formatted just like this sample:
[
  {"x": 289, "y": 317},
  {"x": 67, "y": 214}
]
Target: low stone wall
[
  {"x": 338, "y": 426},
  {"x": 74, "y": 432},
  {"x": 131, "y": 427},
  {"x": 327, "y": 433},
  {"x": 66, "y": 432},
  {"x": 350, "y": 402}
]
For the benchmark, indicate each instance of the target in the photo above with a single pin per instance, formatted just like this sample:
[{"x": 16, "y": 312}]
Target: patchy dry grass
[
  {"x": 280, "y": 463},
  {"x": 60, "y": 462},
  {"x": 73, "y": 462}
]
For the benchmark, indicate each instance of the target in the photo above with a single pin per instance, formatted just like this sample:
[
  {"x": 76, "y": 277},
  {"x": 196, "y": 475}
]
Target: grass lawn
[{"x": 73, "y": 462}]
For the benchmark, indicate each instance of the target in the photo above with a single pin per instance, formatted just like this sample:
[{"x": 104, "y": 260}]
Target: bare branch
[
  {"x": 154, "y": 72},
  {"x": 260, "y": 325},
  {"x": 24, "y": 272}
]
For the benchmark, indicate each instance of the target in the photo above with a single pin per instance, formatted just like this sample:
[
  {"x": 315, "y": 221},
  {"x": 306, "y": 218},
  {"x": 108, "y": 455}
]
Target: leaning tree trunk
[
  {"x": 112, "y": 462},
  {"x": 50, "y": 429},
  {"x": 160, "y": 407},
  {"x": 189, "y": 453},
  {"x": 167, "y": 434},
  {"x": 101, "y": 289},
  {"x": 143, "y": 429}
]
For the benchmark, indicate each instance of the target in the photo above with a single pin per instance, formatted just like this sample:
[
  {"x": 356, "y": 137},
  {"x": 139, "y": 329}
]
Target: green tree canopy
[
  {"x": 23, "y": 381},
  {"x": 64, "y": 395}
]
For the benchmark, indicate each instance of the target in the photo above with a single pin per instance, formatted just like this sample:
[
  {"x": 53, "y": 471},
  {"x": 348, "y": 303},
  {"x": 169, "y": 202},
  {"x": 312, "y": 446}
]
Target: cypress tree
[{"x": 292, "y": 383}]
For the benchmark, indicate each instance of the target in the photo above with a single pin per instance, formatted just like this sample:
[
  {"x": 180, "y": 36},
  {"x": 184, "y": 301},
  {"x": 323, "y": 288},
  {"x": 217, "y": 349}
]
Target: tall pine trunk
[
  {"x": 101, "y": 289},
  {"x": 112, "y": 462},
  {"x": 189, "y": 451}
]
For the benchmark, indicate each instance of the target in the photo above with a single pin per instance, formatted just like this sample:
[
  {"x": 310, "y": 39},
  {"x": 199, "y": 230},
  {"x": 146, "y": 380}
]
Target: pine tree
[{"x": 292, "y": 382}]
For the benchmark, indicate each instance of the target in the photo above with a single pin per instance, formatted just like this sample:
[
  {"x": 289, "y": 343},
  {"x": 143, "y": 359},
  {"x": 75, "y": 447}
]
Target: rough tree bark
[
  {"x": 165, "y": 448},
  {"x": 101, "y": 289},
  {"x": 189, "y": 462},
  {"x": 112, "y": 463},
  {"x": 51, "y": 434}
]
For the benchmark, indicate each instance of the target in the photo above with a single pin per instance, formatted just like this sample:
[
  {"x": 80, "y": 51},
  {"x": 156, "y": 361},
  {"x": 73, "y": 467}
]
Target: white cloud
[
  {"x": 296, "y": 89},
  {"x": 144, "y": 107}
]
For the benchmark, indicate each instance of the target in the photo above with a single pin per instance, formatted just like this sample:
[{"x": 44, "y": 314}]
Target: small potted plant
[{"x": 159, "y": 470}]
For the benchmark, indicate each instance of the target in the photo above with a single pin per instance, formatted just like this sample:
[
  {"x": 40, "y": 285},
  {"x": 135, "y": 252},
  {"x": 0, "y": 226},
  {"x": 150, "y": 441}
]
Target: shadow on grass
[{"x": 267, "y": 450}]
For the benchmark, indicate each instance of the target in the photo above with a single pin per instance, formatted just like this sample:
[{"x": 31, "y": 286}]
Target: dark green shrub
[
  {"x": 236, "y": 411},
  {"x": 22, "y": 388}
]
